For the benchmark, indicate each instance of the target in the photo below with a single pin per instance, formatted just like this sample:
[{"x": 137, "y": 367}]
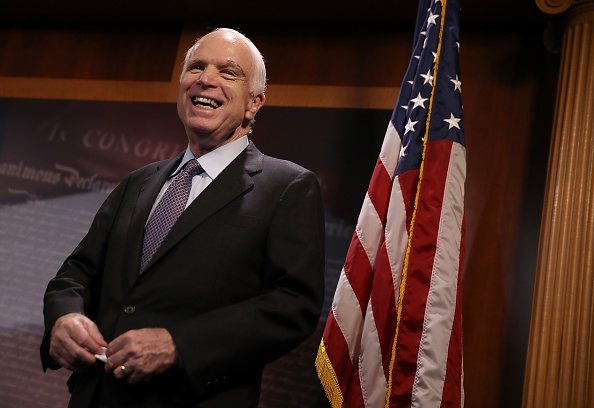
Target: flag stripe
[
  {"x": 369, "y": 232},
  {"x": 441, "y": 302},
  {"x": 371, "y": 370},
  {"x": 388, "y": 273},
  {"x": 408, "y": 188},
  {"x": 383, "y": 303},
  {"x": 345, "y": 301},
  {"x": 379, "y": 191},
  {"x": 417, "y": 280},
  {"x": 354, "y": 395},
  {"x": 390, "y": 151},
  {"x": 333, "y": 369},
  {"x": 453, "y": 391}
]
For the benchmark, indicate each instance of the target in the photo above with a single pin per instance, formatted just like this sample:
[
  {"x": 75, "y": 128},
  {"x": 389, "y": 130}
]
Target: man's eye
[{"x": 196, "y": 67}]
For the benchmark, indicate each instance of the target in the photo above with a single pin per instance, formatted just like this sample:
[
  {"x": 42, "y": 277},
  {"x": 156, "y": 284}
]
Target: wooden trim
[
  {"x": 142, "y": 91},
  {"x": 319, "y": 96},
  {"x": 83, "y": 89},
  {"x": 332, "y": 96}
]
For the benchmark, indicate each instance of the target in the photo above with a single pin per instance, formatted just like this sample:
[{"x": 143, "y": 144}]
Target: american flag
[{"x": 394, "y": 334}]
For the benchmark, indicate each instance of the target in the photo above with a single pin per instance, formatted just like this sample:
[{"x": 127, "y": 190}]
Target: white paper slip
[{"x": 102, "y": 357}]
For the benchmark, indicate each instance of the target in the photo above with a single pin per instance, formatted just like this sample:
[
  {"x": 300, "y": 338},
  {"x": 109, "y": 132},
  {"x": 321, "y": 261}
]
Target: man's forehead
[{"x": 234, "y": 55}]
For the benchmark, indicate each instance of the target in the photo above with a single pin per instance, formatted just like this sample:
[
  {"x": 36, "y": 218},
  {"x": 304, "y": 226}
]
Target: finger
[
  {"x": 120, "y": 342},
  {"x": 80, "y": 357},
  {"x": 122, "y": 372},
  {"x": 96, "y": 340},
  {"x": 128, "y": 374},
  {"x": 74, "y": 363},
  {"x": 70, "y": 354},
  {"x": 132, "y": 372},
  {"x": 114, "y": 361},
  {"x": 116, "y": 353},
  {"x": 136, "y": 374},
  {"x": 58, "y": 357},
  {"x": 89, "y": 336}
]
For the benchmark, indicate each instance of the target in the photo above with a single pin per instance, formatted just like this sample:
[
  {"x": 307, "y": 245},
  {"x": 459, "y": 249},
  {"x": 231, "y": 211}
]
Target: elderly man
[{"x": 196, "y": 271}]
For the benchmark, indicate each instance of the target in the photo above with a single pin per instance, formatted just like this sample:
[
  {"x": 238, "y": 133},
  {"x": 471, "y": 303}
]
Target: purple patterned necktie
[{"x": 170, "y": 207}]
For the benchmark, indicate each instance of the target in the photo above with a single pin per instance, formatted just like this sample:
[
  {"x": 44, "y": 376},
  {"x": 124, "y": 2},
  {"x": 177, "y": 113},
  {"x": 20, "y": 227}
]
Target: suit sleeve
[
  {"x": 246, "y": 335},
  {"x": 75, "y": 287}
]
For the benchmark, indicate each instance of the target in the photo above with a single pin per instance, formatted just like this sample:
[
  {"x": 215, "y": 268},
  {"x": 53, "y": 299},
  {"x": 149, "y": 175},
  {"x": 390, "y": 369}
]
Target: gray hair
[{"x": 258, "y": 80}]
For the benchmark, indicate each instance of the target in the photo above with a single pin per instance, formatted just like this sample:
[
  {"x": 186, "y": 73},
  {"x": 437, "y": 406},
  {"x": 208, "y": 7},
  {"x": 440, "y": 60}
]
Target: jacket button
[{"x": 129, "y": 310}]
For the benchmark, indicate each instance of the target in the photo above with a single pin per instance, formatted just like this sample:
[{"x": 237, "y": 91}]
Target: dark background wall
[{"x": 341, "y": 55}]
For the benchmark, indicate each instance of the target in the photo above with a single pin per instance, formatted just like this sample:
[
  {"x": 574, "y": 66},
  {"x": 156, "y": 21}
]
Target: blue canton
[{"x": 414, "y": 99}]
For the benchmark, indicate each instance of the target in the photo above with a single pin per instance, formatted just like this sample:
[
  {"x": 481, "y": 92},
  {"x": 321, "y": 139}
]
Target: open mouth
[{"x": 205, "y": 103}]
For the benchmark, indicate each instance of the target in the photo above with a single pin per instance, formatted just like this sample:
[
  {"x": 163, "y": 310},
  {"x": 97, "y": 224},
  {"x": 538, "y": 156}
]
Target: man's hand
[
  {"x": 139, "y": 355},
  {"x": 75, "y": 340}
]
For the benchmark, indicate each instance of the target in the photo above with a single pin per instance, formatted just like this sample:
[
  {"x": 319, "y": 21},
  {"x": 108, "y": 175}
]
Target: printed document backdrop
[{"x": 60, "y": 159}]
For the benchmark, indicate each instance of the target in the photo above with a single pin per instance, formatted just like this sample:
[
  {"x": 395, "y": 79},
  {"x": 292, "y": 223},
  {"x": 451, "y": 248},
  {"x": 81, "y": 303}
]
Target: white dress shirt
[{"x": 213, "y": 163}]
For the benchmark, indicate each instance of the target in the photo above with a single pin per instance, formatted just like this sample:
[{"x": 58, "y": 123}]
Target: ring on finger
[{"x": 123, "y": 369}]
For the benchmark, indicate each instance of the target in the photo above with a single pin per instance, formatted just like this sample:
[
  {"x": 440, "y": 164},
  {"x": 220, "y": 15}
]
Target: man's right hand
[{"x": 75, "y": 339}]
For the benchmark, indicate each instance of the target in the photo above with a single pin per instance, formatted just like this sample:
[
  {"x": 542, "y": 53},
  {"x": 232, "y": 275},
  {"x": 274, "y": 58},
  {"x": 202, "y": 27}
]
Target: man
[{"x": 235, "y": 283}]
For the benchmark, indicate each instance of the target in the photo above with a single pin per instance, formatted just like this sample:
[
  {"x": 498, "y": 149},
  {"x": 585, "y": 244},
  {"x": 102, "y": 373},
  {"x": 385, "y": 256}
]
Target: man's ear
[{"x": 256, "y": 102}]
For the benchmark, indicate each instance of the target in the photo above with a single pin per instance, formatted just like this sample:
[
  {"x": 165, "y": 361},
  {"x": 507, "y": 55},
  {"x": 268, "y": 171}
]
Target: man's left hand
[{"x": 139, "y": 355}]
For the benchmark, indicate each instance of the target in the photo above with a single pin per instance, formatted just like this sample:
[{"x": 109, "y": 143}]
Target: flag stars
[
  {"x": 403, "y": 150},
  {"x": 428, "y": 78},
  {"x": 410, "y": 126},
  {"x": 452, "y": 121},
  {"x": 457, "y": 84},
  {"x": 432, "y": 19},
  {"x": 419, "y": 101}
]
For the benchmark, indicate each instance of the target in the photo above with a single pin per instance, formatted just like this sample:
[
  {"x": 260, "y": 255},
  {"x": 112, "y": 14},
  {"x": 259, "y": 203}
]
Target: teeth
[{"x": 205, "y": 103}]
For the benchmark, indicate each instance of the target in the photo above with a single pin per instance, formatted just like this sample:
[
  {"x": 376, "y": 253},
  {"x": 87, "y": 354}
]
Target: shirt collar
[{"x": 215, "y": 161}]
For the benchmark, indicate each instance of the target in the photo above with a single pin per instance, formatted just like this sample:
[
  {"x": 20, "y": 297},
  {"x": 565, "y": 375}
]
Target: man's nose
[{"x": 206, "y": 78}]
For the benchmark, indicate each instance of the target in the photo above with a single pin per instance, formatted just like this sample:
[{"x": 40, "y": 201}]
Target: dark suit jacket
[{"x": 238, "y": 281}]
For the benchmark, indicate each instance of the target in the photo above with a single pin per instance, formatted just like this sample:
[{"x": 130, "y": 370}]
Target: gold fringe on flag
[{"x": 328, "y": 377}]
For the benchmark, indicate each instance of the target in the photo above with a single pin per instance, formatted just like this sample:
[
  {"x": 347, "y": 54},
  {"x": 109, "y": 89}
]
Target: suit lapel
[
  {"x": 149, "y": 190},
  {"x": 231, "y": 183},
  {"x": 147, "y": 194}
]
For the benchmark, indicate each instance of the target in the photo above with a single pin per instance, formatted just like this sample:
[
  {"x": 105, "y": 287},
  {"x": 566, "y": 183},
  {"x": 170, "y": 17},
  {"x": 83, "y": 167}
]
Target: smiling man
[
  {"x": 217, "y": 100},
  {"x": 196, "y": 271}
]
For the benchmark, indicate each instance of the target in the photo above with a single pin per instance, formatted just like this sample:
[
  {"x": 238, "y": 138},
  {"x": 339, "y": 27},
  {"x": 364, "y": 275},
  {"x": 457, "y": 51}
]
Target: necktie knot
[{"x": 192, "y": 168}]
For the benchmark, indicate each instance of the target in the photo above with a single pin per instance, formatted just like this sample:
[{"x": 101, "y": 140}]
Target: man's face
[{"x": 214, "y": 101}]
